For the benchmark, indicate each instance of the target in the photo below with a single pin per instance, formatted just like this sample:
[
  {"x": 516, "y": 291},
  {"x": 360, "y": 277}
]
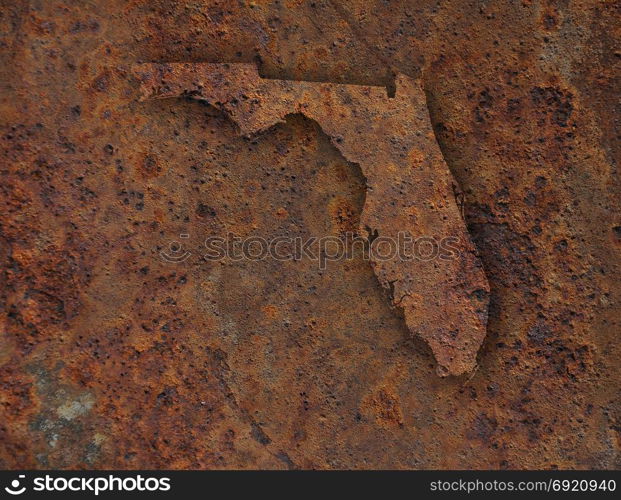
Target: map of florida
[{"x": 409, "y": 186}]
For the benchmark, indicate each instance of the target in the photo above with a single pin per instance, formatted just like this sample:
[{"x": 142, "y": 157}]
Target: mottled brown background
[{"x": 112, "y": 358}]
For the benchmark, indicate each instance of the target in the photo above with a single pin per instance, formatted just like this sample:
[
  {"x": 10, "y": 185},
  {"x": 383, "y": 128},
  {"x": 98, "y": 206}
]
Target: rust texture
[
  {"x": 113, "y": 357},
  {"x": 409, "y": 188}
]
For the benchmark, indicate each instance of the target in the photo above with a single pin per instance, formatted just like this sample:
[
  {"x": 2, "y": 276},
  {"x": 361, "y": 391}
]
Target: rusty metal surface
[{"x": 111, "y": 357}]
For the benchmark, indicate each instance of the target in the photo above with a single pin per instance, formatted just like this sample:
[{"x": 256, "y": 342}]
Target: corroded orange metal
[{"x": 113, "y": 357}]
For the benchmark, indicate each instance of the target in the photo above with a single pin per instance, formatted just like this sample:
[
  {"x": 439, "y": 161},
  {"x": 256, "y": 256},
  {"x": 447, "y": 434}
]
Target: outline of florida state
[{"x": 409, "y": 186}]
